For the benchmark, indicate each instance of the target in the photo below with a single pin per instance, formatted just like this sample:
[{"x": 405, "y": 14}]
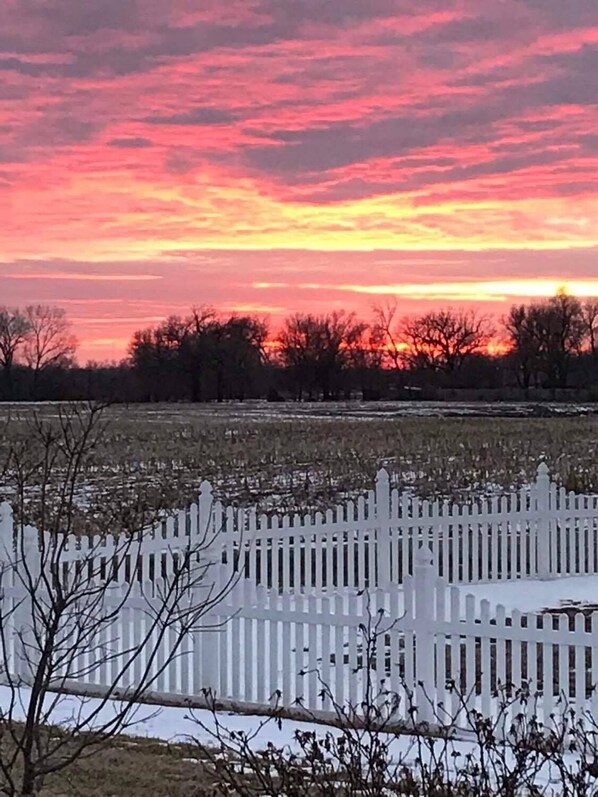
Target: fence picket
[
  {"x": 356, "y": 662},
  {"x": 594, "y": 665},
  {"x": 500, "y": 649},
  {"x": 591, "y": 566},
  {"x": 440, "y": 648},
  {"x": 547, "y": 670},
  {"x": 503, "y": 530},
  {"x": 580, "y": 661},
  {"x": 406, "y": 532},
  {"x": 455, "y": 652},
  {"x": 236, "y": 627},
  {"x": 339, "y": 652},
  {"x": 325, "y": 651},
  {"x": 312, "y": 652},
  {"x": 300, "y": 668},
  {"x": 485, "y": 659},
  {"x": 286, "y": 554},
  {"x": 564, "y": 681},
  {"x": 516, "y": 649},
  {"x": 493, "y": 527},
  {"x": 536, "y": 623},
  {"x": 288, "y": 659},
  {"x": 471, "y": 680},
  {"x": 275, "y": 552},
  {"x": 250, "y": 651}
]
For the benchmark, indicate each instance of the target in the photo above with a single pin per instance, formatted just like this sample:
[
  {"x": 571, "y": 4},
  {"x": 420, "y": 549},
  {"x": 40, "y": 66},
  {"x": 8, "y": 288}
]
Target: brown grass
[
  {"x": 288, "y": 459},
  {"x": 134, "y": 768}
]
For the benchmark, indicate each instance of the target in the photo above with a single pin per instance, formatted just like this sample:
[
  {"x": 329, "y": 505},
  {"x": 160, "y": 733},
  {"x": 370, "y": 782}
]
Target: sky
[{"x": 278, "y": 156}]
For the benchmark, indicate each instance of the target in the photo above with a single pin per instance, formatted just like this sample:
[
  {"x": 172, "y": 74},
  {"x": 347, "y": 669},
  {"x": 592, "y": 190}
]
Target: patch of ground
[{"x": 134, "y": 768}]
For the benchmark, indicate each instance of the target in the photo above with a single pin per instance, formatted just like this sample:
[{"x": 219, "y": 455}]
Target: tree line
[{"x": 539, "y": 349}]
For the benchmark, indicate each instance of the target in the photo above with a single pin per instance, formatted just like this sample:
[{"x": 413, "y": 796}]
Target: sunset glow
[{"x": 273, "y": 157}]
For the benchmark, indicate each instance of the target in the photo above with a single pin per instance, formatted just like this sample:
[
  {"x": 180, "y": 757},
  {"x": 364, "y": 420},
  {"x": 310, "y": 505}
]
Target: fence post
[
  {"x": 7, "y": 534},
  {"x": 383, "y": 548},
  {"x": 544, "y": 524},
  {"x": 7, "y": 579},
  {"x": 204, "y": 510},
  {"x": 30, "y": 607},
  {"x": 206, "y": 635},
  {"x": 424, "y": 578}
]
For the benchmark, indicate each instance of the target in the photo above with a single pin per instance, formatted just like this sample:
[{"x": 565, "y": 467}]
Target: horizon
[{"x": 309, "y": 156}]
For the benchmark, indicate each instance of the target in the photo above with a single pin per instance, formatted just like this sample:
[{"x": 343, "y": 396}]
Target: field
[{"x": 309, "y": 456}]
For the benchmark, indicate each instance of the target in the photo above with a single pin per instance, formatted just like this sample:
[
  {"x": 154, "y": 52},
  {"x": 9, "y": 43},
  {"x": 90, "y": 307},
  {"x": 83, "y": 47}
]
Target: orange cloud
[{"x": 499, "y": 290}]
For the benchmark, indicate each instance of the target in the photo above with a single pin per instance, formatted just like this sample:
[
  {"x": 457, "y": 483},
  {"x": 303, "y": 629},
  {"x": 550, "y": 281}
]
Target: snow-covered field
[{"x": 171, "y": 725}]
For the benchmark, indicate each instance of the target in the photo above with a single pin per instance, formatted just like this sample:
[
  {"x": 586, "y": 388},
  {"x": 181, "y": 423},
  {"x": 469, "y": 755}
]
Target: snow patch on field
[{"x": 535, "y": 596}]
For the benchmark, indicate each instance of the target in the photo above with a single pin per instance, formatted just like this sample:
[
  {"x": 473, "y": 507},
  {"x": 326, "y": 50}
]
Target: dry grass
[
  {"x": 135, "y": 768},
  {"x": 286, "y": 458}
]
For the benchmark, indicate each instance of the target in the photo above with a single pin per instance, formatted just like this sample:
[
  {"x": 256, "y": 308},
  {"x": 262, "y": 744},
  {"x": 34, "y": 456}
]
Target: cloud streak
[
  {"x": 71, "y": 276},
  {"x": 478, "y": 291}
]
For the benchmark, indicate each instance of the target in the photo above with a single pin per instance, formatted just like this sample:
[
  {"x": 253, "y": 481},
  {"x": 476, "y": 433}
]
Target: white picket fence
[
  {"x": 430, "y": 644},
  {"x": 310, "y": 586},
  {"x": 435, "y": 648},
  {"x": 540, "y": 531}
]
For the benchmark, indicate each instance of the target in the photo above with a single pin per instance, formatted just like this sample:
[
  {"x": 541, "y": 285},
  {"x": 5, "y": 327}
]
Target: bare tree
[
  {"x": 365, "y": 357},
  {"x": 197, "y": 348},
  {"x": 562, "y": 331},
  {"x": 589, "y": 312},
  {"x": 442, "y": 340},
  {"x": 82, "y": 615},
  {"x": 297, "y": 341},
  {"x": 545, "y": 337},
  {"x": 525, "y": 355},
  {"x": 314, "y": 350},
  {"x": 385, "y": 315},
  {"x": 49, "y": 339},
  {"x": 14, "y": 328},
  {"x": 187, "y": 357}
]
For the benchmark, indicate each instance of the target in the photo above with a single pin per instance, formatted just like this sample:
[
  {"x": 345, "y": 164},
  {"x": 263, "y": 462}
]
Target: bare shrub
[
  {"x": 370, "y": 753},
  {"x": 61, "y": 605}
]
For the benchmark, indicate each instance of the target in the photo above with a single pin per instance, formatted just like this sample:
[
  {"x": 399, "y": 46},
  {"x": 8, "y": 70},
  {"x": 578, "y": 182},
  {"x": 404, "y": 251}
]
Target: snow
[
  {"x": 172, "y": 724},
  {"x": 534, "y": 596},
  {"x": 526, "y": 595},
  {"x": 168, "y": 723}
]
